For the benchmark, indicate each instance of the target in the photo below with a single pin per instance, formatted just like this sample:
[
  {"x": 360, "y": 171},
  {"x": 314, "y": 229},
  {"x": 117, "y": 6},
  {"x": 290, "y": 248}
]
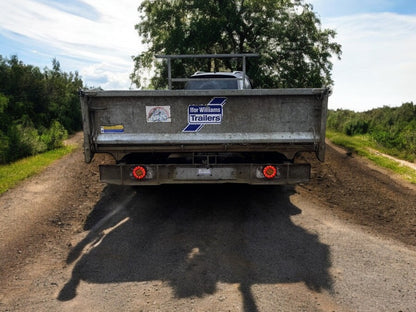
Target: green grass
[
  {"x": 362, "y": 145},
  {"x": 12, "y": 174}
]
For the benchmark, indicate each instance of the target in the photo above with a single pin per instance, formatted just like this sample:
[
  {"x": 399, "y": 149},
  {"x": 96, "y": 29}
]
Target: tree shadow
[{"x": 194, "y": 236}]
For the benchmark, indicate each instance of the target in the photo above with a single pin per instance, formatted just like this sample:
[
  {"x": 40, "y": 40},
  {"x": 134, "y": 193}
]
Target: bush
[
  {"x": 54, "y": 136},
  {"x": 24, "y": 140},
  {"x": 4, "y": 147},
  {"x": 355, "y": 126},
  {"x": 337, "y": 119}
]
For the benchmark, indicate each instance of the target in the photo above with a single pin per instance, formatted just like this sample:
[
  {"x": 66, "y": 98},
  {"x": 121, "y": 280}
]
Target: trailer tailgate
[{"x": 180, "y": 119}]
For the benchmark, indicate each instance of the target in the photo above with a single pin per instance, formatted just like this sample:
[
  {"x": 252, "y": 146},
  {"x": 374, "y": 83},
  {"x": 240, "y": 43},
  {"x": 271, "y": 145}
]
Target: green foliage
[
  {"x": 337, "y": 119},
  {"x": 294, "y": 50},
  {"x": 37, "y": 109},
  {"x": 24, "y": 141},
  {"x": 392, "y": 128},
  {"x": 4, "y": 147},
  {"x": 4, "y": 102},
  {"x": 54, "y": 136},
  {"x": 355, "y": 126}
]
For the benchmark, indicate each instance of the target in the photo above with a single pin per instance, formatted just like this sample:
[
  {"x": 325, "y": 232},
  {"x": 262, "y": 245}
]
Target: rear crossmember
[{"x": 156, "y": 174}]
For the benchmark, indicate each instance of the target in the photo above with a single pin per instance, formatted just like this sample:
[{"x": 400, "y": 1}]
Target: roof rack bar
[
  {"x": 181, "y": 56},
  {"x": 243, "y": 56}
]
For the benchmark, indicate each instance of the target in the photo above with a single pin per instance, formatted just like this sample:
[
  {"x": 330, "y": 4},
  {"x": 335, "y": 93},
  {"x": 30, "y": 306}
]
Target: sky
[{"x": 98, "y": 39}]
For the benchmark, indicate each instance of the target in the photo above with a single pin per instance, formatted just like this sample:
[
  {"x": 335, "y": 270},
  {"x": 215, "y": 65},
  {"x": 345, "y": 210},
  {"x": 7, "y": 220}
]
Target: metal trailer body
[{"x": 205, "y": 136}]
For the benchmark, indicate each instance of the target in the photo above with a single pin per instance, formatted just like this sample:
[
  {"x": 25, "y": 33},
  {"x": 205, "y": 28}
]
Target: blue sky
[
  {"x": 378, "y": 65},
  {"x": 98, "y": 39},
  {"x": 337, "y": 8}
]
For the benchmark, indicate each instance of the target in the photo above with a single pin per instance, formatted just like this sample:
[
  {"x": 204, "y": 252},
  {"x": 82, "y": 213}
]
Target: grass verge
[
  {"x": 362, "y": 145},
  {"x": 12, "y": 174}
]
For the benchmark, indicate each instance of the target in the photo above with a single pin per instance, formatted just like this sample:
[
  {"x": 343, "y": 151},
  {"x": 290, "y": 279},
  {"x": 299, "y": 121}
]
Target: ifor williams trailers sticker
[{"x": 201, "y": 115}]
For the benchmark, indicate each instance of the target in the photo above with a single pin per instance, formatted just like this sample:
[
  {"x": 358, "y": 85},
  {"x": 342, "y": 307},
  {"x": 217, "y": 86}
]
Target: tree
[
  {"x": 63, "y": 96},
  {"x": 294, "y": 50},
  {"x": 37, "y": 109}
]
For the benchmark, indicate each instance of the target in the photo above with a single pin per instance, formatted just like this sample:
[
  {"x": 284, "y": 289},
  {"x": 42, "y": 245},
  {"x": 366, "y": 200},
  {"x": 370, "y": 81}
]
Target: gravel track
[{"x": 343, "y": 242}]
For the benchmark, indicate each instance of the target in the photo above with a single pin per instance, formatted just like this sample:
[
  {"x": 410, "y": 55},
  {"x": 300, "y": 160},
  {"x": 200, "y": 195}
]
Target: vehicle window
[{"x": 198, "y": 83}]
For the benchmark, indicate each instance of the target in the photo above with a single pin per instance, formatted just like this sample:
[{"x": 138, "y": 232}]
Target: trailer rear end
[{"x": 248, "y": 136}]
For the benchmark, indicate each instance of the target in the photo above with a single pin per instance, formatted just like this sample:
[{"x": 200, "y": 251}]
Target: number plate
[{"x": 205, "y": 174}]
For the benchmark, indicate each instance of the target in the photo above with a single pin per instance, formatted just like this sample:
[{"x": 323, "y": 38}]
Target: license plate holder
[{"x": 216, "y": 173}]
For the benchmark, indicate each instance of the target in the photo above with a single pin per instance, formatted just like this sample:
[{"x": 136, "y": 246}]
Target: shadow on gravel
[{"x": 193, "y": 237}]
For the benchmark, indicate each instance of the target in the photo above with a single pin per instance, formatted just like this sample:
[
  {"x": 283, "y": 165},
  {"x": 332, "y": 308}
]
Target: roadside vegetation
[
  {"x": 389, "y": 130},
  {"x": 13, "y": 173},
  {"x": 38, "y": 109}
]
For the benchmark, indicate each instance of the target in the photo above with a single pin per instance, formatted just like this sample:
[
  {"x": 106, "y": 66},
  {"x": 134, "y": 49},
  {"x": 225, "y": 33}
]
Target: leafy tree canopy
[{"x": 294, "y": 50}]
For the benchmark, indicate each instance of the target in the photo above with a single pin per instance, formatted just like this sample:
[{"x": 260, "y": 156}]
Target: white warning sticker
[{"x": 158, "y": 114}]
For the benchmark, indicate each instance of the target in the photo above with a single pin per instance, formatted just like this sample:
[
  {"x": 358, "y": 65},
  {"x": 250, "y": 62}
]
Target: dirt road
[{"x": 344, "y": 242}]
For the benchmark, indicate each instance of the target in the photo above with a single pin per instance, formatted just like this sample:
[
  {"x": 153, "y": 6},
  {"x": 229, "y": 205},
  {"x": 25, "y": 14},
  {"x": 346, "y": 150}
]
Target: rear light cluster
[
  {"x": 270, "y": 172},
  {"x": 139, "y": 172}
]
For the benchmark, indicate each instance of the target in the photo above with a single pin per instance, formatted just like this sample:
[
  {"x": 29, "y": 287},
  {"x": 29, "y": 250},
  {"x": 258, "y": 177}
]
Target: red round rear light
[
  {"x": 269, "y": 172},
  {"x": 139, "y": 172}
]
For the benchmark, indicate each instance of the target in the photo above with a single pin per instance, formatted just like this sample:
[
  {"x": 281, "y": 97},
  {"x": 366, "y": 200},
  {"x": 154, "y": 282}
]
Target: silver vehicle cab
[{"x": 218, "y": 81}]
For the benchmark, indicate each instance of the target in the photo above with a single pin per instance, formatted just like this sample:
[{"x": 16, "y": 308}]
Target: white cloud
[
  {"x": 378, "y": 63},
  {"x": 107, "y": 42},
  {"x": 106, "y": 76},
  {"x": 377, "y": 66}
]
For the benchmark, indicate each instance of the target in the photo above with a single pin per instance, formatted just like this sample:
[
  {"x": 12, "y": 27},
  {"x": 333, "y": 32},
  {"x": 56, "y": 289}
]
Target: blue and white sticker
[{"x": 201, "y": 115}]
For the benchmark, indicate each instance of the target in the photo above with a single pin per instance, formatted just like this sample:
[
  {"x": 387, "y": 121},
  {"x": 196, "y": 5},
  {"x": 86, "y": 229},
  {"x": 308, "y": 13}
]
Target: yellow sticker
[{"x": 112, "y": 129}]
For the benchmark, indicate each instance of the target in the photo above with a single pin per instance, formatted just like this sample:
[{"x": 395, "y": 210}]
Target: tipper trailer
[{"x": 208, "y": 135}]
